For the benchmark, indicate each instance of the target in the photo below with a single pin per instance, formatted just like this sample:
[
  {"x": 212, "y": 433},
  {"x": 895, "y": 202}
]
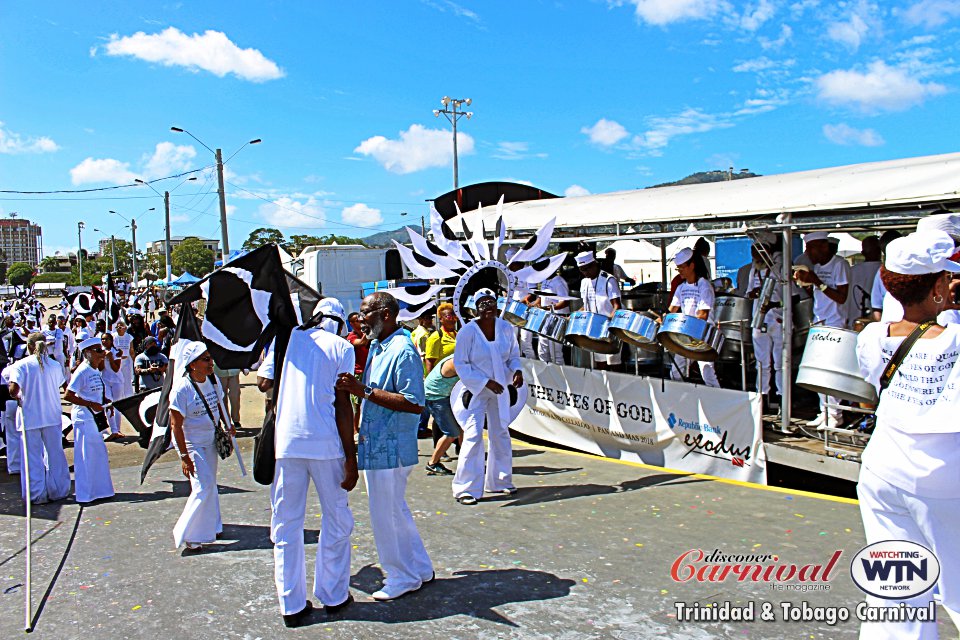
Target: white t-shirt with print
[
  {"x": 197, "y": 425},
  {"x": 598, "y": 292},
  {"x": 833, "y": 274},
  {"x": 86, "y": 383},
  {"x": 694, "y": 297}
]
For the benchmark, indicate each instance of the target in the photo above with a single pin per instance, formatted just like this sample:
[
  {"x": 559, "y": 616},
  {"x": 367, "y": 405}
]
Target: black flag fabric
[
  {"x": 157, "y": 438},
  {"x": 248, "y": 300},
  {"x": 140, "y": 410},
  {"x": 86, "y": 303},
  {"x": 303, "y": 296}
]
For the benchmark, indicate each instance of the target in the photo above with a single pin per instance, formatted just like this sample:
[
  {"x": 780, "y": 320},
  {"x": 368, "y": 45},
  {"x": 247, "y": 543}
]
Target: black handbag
[
  {"x": 101, "y": 418},
  {"x": 264, "y": 450},
  {"x": 221, "y": 438}
]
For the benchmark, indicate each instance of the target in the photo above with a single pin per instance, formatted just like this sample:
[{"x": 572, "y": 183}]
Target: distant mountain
[
  {"x": 702, "y": 177},
  {"x": 383, "y": 239}
]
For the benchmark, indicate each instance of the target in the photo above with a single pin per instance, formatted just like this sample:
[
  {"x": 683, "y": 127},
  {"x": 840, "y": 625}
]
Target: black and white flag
[
  {"x": 141, "y": 410},
  {"x": 87, "y": 303}
]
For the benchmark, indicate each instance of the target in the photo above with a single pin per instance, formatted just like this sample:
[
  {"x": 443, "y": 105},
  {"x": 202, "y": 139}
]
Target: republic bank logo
[{"x": 672, "y": 421}]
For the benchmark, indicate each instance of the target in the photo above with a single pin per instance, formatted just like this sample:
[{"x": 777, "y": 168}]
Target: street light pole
[
  {"x": 452, "y": 113},
  {"x": 133, "y": 228},
  {"x": 80, "y": 250},
  {"x": 166, "y": 235},
  {"x": 113, "y": 251},
  {"x": 218, "y": 155}
]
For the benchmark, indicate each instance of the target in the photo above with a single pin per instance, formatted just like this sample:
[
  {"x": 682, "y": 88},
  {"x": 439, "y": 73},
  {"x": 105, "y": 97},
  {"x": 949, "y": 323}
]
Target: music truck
[{"x": 340, "y": 271}]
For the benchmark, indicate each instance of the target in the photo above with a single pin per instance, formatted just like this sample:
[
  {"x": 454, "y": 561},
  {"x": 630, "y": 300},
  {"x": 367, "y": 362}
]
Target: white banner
[{"x": 658, "y": 422}]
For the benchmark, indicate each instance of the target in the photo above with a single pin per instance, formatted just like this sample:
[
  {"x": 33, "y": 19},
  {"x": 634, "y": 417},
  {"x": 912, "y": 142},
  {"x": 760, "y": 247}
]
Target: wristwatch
[
  {"x": 367, "y": 391},
  {"x": 823, "y": 286}
]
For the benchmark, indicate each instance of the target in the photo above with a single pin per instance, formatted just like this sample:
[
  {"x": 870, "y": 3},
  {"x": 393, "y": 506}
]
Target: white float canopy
[{"x": 926, "y": 179}]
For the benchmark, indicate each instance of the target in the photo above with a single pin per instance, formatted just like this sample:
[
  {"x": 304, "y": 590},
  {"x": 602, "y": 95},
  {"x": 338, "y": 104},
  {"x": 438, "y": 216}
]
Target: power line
[{"x": 119, "y": 186}]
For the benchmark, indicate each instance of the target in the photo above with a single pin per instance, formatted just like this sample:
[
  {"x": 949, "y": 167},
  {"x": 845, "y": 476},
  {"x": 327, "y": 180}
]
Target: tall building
[
  {"x": 20, "y": 241},
  {"x": 157, "y": 245}
]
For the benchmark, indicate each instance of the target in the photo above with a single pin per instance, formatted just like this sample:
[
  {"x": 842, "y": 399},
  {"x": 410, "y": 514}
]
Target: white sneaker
[
  {"x": 832, "y": 422},
  {"x": 816, "y": 422}
]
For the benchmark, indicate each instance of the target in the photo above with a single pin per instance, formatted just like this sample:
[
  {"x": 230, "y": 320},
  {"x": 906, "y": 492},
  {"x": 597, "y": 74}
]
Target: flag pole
[{"x": 28, "y": 605}]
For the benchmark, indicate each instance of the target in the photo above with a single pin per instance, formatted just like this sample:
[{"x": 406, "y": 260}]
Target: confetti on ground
[
  {"x": 135, "y": 608},
  {"x": 799, "y": 515}
]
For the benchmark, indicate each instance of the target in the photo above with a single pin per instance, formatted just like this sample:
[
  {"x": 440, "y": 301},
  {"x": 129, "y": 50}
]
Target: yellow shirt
[{"x": 440, "y": 344}]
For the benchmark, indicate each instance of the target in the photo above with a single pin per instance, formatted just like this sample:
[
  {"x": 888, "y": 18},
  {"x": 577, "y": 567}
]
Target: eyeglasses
[
  {"x": 96, "y": 349},
  {"x": 366, "y": 314},
  {"x": 486, "y": 303}
]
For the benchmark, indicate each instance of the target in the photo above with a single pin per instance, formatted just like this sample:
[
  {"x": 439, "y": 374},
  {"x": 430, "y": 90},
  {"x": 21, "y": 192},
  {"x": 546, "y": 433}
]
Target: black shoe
[
  {"x": 438, "y": 470},
  {"x": 333, "y": 609},
  {"x": 298, "y": 619}
]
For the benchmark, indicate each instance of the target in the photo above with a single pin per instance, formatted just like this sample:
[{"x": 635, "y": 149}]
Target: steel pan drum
[
  {"x": 730, "y": 312},
  {"x": 470, "y": 307},
  {"x": 591, "y": 331},
  {"x": 536, "y": 318},
  {"x": 802, "y": 317},
  {"x": 638, "y": 329},
  {"x": 690, "y": 337},
  {"x": 830, "y": 366},
  {"x": 515, "y": 312},
  {"x": 554, "y": 327}
]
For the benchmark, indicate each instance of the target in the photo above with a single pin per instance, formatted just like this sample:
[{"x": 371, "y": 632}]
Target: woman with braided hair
[{"x": 35, "y": 383}]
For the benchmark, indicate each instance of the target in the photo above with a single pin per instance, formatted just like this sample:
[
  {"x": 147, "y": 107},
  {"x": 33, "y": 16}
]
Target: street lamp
[
  {"x": 452, "y": 113},
  {"x": 133, "y": 228},
  {"x": 80, "y": 250},
  {"x": 423, "y": 224},
  {"x": 113, "y": 247},
  {"x": 225, "y": 249},
  {"x": 166, "y": 208}
]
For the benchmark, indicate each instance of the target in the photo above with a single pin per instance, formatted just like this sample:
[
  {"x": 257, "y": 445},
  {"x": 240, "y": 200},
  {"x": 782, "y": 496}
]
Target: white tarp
[
  {"x": 926, "y": 179},
  {"x": 658, "y": 422},
  {"x": 849, "y": 246}
]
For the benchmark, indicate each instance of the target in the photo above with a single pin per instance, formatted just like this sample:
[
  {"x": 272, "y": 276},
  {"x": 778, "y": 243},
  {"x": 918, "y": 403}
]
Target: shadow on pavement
[
  {"x": 539, "y": 495},
  {"x": 540, "y": 470}
]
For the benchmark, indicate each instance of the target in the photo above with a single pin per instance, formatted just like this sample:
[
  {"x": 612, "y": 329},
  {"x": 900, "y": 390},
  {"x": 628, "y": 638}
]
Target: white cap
[
  {"x": 89, "y": 342},
  {"x": 192, "y": 351},
  {"x": 133, "y": 311},
  {"x": 585, "y": 258},
  {"x": 815, "y": 235},
  {"x": 949, "y": 223},
  {"x": 683, "y": 256},
  {"x": 484, "y": 293},
  {"x": 921, "y": 252},
  {"x": 509, "y": 253}
]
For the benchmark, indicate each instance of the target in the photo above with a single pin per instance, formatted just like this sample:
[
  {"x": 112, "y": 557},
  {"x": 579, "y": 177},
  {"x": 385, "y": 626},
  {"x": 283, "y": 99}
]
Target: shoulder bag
[{"x": 220, "y": 436}]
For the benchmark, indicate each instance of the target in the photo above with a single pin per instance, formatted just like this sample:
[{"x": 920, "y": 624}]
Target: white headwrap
[
  {"x": 332, "y": 307},
  {"x": 188, "y": 351}
]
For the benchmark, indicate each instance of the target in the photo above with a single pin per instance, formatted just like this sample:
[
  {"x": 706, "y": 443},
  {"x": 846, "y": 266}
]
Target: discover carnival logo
[
  {"x": 697, "y": 438},
  {"x": 895, "y": 569},
  {"x": 718, "y": 566}
]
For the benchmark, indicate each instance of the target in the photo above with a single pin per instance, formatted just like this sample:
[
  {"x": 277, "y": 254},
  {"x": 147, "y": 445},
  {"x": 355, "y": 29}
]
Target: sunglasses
[
  {"x": 487, "y": 303},
  {"x": 366, "y": 314},
  {"x": 97, "y": 349}
]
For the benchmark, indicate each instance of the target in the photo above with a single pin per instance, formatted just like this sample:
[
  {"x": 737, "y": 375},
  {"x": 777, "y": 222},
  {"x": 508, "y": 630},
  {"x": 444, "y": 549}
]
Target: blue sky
[{"x": 574, "y": 97}]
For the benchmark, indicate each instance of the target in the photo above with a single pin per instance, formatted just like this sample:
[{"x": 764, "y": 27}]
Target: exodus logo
[
  {"x": 701, "y": 445},
  {"x": 895, "y": 569},
  {"x": 718, "y": 566}
]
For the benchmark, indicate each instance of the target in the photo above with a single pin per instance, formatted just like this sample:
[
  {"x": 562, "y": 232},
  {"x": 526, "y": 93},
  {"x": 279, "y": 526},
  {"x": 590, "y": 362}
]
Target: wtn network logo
[{"x": 895, "y": 569}]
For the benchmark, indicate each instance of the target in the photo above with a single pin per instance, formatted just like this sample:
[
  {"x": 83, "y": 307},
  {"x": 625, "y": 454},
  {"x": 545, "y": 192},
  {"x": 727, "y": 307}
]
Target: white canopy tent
[
  {"x": 849, "y": 246},
  {"x": 640, "y": 259},
  {"x": 905, "y": 182}
]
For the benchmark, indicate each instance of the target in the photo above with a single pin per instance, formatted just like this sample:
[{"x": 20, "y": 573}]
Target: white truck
[{"x": 340, "y": 271}]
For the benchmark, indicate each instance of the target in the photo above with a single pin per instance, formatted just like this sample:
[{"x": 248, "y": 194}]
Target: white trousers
[
  {"x": 767, "y": 347},
  {"x": 126, "y": 379},
  {"x": 890, "y": 513},
  {"x": 402, "y": 555},
  {"x": 14, "y": 447},
  {"x": 526, "y": 344},
  {"x": 200, "y": 521},
  {"x": 91, "y": 464},
  {"x": 113, "y": 389},
  {"x": 833, "y": 412},
  {"x": 331, "y": 577},
  {"x": 550, "y": 351},
  {"x": 471, "y": 477},
  {"x": 49, "y": 471},
  {"x": 707, "y": 370}
]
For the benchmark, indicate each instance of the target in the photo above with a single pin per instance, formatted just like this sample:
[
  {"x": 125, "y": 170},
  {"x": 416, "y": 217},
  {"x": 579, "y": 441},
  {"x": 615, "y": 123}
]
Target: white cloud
[
  {"x": 664, "y": 128},
  {"x": 211, "y": 51},
  {"x": 93, "y": 170},
  {"x": 605, "y": 132},
  {"x": 663, "y": 12},
  {"x": 879, "y": 88},
  {"x": 754, "y": 18},
  {"x": 168, "y": 159},
  {"x": 286, "y": 212},
  {"x": 515, "y": 151},
  {"x": 757, "y": 64},
  {"x": 786, "y": 34},
  {"x": 416, "y": 149},
  {"x": 361, "y": 215},
  {"x": 846, "y": 135},
  {"x": 853, "y": 30},
  {"x": 575, "y": 191},
  {"x": 456, "y": 9},
  {"x": 13, "y": 143},
  {"x": 932, "y": 13}
]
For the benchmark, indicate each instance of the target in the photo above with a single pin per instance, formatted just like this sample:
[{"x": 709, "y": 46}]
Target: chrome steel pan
[
  {"x": 690, "y": 337},
  {"x": 591, "y": 331},
  {"x": 638, "y": 329},
  {"x": 830, "y": 365},
  {"x": 515, "y": 312}
]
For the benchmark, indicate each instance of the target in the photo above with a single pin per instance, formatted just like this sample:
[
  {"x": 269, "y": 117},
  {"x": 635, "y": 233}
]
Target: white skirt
[
  {"x": 200, "y": 521},
  {"x": 91, "y": 464}
]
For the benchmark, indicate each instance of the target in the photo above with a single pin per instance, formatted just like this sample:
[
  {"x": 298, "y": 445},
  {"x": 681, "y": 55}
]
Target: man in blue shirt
[{"x": 393, "y": 397}]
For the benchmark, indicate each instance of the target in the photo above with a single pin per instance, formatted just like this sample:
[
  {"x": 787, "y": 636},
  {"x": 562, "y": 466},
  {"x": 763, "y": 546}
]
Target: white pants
[
  {"x": 126, "y": 379},
  {"x": 890, "y": 513},
  {"x": 707, "y": 370},
  {"x": 91, "y": 464},
  {"x": 402, "y": 555},
  {"x": 113, "y": 389},
  {"x": 766, "y": 346},
  {"x": 550, "y": 351},
  {"x": 200, "y": 521},
  {"x": 470, "y": 478},
  {"x": 833, "y": 412},
  {"x": 231, "y": 398},
  {"x": 14, "y": 448},
  {"x": 331, "y": 577},
  {"x": 49, "y": 471},
  {"x": 526, "y": 344}
]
